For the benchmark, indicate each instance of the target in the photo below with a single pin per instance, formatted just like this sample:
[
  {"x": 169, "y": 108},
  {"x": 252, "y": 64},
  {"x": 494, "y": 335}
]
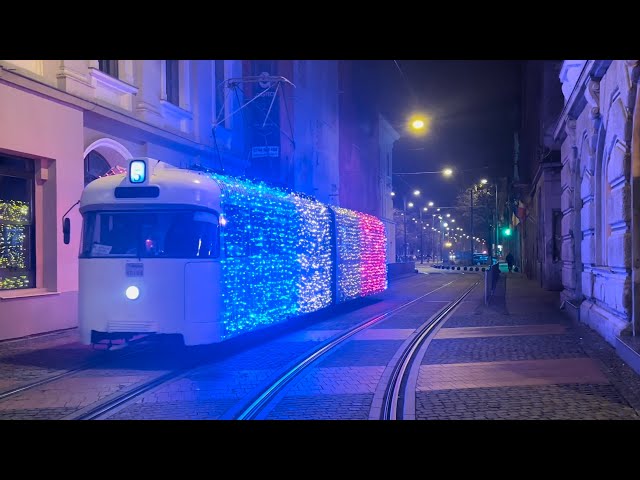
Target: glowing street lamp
[
  {"x": 447, "y": 172},
  {"x": 419, "y": 124},
  {"x": 430, "y": 204}
]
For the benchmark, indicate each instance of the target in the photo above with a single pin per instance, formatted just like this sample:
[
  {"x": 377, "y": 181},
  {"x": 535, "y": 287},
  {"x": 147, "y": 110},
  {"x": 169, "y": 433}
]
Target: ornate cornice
[
  {"x": 592, "y": 96},
  {"x": 593, "y": 71}
]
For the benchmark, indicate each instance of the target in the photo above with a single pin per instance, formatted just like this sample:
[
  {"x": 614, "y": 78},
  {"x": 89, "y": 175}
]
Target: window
[
  {"x": 168, "y": 234},
  {"x": 17, "y": 225},
  {"x": 557, "y": 234},
  {"x": 221, "y": 111},
  {"x": 110, "y": 67},
  {"x": 173, "y": 81},
  {"x": 95, "y": 166}
]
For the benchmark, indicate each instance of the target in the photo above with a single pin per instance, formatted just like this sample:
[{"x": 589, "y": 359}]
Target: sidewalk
[{"x": 520, "y": 357}]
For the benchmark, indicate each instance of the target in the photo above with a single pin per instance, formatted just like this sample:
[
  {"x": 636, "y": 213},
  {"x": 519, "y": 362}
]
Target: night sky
[{"x": 474, "y": 107}]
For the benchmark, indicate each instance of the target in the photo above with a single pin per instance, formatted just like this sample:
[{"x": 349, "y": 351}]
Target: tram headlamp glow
[{"x": 132, "y": 292}]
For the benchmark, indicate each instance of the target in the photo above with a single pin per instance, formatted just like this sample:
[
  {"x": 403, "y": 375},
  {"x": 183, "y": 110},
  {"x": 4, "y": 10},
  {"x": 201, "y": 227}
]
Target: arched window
[
  {"x": 601, "y": 194},
  {"x": 95, "y": 165}
]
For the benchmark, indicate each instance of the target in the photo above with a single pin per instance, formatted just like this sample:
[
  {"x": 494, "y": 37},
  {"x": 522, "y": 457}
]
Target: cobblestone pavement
[
  {"x": 235, "y": 368},
  {"x": 521, "y": 358},
  {"x": 108, "y": 373},
  {"x": 343, "y": 384},
  {"x": 30, "y": 359},
  {"x": 517, "y": 358},
  {"x": 340, "y": 386}
]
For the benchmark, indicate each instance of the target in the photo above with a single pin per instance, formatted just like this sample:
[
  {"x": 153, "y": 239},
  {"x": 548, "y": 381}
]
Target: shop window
[{"x": 17, "y": 223}]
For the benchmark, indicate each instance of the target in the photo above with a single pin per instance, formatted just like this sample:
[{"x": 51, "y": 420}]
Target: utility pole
[
  {"x": 495, "y": 222},
  {"x": 404, "y": 200},
  {"x": 421, "y": 243},
  {"x": 471, "y": 192},
  {"x": 433, "y": 250}
]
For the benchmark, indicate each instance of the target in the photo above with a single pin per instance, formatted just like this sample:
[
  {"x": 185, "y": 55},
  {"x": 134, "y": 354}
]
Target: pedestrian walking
[{"x": 510, "y": 261}]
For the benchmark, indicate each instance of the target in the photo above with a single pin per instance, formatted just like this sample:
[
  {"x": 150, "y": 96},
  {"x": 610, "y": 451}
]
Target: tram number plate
[{"x": 135, "y": 270}]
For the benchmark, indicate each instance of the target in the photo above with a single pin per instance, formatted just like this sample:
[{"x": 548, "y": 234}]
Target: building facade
[
  {"x": 64, "y": 123},
  {"x": 597, "y": 130},
  {"x": 539, "y": 215}
]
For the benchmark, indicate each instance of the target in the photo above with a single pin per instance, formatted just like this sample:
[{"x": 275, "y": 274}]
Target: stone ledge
[
  {"x": 394, "y": 270},
  {"x": 628, "y": 348},
  {"x": 25, "y": 293}
]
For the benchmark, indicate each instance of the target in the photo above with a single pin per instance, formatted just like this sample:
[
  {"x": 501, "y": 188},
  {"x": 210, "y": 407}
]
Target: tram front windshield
[{"x": 145, "y": 234}]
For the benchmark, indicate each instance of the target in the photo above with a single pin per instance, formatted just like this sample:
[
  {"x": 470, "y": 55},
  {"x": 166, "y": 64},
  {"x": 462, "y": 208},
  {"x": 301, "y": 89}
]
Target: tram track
[
  {"x": 111, "y": 405},
  {"x": 107, "y": 406},
  {"x": 253, "y": 408},
  {"x": 82, "y": 367},
  {"x": 395, "y": 391}
]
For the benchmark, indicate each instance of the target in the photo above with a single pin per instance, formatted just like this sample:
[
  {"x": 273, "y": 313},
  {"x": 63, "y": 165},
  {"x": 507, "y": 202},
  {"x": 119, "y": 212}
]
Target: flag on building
[
  {"x": 514, "y": 213},
  {"x": 518, "y": 212},
  {"x": 522, "y": 211}
]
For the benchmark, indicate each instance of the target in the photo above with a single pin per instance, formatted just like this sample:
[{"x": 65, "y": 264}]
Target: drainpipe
[{"x": 635, "y": 206}]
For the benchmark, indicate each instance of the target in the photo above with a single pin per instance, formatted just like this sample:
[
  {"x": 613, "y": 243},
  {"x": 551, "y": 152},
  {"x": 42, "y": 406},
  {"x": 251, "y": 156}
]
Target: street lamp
[{"x": 419, "y": 124}]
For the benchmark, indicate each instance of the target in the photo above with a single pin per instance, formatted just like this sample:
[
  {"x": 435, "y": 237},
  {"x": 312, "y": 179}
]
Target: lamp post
[
  {"x": 495, "y": 221},
  {"x": 433, "y": 226},
  {"x": 443, "y": 227},
  {"x": 410, "y": 205},
  {"x": 422, "y": 234},
  {"x": 471, "y": 251}
]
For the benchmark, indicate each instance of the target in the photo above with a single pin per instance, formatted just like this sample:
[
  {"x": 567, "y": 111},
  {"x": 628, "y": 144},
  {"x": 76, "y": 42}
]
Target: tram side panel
[
  {"x": 348, "y": 254},
  {"x": 260, "y": 268},
  {"x": 360, "y": 254},
  {"x": 373, "y": 242},
  {"x": 315, "y": 255}
]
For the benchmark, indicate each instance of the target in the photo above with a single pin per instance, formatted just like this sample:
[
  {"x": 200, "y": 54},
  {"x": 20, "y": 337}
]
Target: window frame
[
  {"x": 182, "y": 209},
  {"x": 109, "y": 67},
  {"x": 27, "y": 174},
  {"x": 172, "y": 81},
  {"x": 87, "y": 160}
]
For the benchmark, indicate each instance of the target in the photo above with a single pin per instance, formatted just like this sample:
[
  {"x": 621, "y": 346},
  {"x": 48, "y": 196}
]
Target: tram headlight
[{"x": 132, "y": 292}]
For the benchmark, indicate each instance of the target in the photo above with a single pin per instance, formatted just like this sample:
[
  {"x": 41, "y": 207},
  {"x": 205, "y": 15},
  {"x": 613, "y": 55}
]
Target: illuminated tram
[{"x": 208, "y": 257}]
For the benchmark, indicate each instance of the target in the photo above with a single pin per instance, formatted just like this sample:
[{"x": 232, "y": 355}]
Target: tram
[{"x": 166, "y": 250}]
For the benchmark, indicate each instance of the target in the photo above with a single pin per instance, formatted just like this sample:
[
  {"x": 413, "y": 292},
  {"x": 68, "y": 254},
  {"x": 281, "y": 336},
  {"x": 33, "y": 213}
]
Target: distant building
[
  {"x": 366, "y": 154},
  {"x": 597, "y": 130}
]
